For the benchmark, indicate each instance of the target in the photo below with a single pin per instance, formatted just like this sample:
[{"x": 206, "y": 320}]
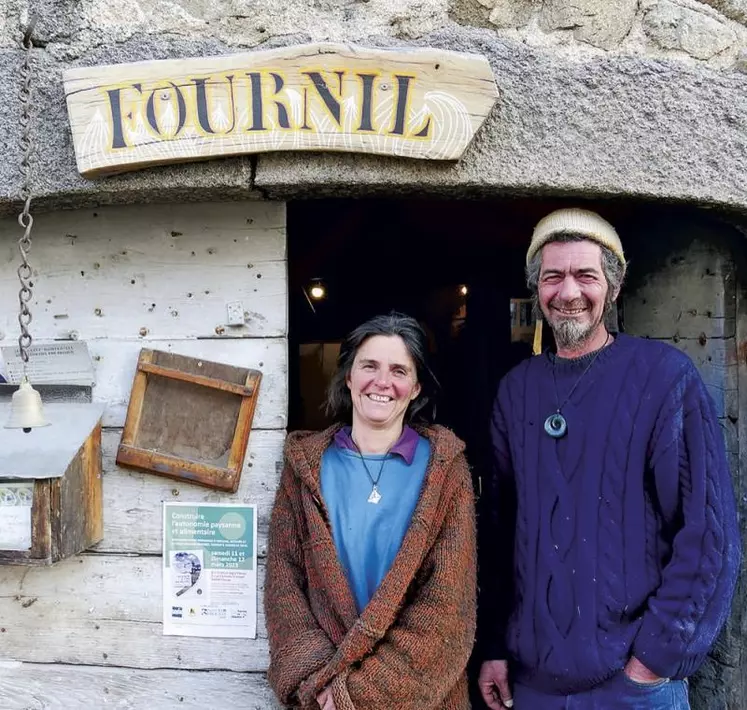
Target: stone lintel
[{"x": 565, "y": 124}]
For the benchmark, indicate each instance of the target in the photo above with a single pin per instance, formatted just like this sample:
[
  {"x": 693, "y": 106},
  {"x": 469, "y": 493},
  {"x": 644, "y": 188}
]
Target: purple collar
[{"x": 405, "y": 446}]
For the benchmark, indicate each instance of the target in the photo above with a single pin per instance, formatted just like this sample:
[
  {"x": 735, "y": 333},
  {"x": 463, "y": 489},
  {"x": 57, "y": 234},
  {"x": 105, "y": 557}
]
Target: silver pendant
[
  {"x": 556, "y": 426},
  {"x": 375, "y": 496}
]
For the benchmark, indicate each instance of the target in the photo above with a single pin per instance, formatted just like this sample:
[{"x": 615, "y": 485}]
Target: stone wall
[
  {"x": 645, "y": 98},
  {"x": 712, "y": 31},
  {"x": 686, "y": 30}
]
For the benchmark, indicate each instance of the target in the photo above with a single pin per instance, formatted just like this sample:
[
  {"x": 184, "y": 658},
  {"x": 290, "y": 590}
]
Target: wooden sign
[
  {"x": 416, "y": 103},
  {"x": 189, "y": 419}
]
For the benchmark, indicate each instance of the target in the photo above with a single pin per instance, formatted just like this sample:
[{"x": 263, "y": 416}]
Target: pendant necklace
[
  {"x": 556, "y": 425},
  {"x": 374, "y": 497}
]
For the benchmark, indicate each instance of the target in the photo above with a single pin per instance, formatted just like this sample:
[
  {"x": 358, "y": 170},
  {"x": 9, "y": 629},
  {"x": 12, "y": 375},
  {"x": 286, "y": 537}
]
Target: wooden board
[
  {"x": 189, "y": 419},
  {"x": 152, "y": 272},
  {"x": 115, "y": 363},
  {"x": 106, "y": 610},
  {"x": 657, "y": 303},
  {"x": 414, "y": 103},
  {"x": 31, "y": 686},
  {"x": 734, "y": 675},
  {"x": 78, "y": 495},
  {"x": 133, "y": 500},
  {"x": 716, "y": 360}
]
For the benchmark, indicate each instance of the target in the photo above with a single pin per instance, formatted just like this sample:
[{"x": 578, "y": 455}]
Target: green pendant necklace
[{"x": 556, "y": 425}]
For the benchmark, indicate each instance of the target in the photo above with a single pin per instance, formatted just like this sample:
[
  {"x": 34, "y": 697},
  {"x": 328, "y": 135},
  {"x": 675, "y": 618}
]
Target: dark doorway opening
[
  {"x": 456, "y": 266},
  {"x": 452, "y": 265}
]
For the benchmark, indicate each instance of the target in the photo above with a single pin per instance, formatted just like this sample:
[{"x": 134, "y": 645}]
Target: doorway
[
  {"x": 455, "y": 266},
  {"x": 684, "y": 287}
]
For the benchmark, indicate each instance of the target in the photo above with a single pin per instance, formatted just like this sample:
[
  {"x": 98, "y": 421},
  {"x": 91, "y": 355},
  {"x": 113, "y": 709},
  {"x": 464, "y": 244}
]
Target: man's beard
[{"x": 570, "y": 333}]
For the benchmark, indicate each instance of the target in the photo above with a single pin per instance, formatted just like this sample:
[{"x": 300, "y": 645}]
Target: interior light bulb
[{"x": 317, "y": 292}]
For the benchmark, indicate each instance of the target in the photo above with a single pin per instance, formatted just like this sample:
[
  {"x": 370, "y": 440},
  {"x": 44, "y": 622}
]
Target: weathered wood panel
[
  {"x": 166, "y": 430},
  {"x": 686, "y": 291},
  {"x": 715, "y": 359},
  {"x": 734, "y": 668},
  {"x": 106, "y": 610},
  {"x": 132, "y": 500},
  {"x": 29, "y": 686},
  {"x": 94, "y": 621},
  {"x": 682, "y": 290},
  {"x": 161, "y": 271},
  {"x": 115, "y": 363}
]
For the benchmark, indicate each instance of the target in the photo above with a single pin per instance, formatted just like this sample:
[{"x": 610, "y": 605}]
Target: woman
[{"x": 370, "y": 590}]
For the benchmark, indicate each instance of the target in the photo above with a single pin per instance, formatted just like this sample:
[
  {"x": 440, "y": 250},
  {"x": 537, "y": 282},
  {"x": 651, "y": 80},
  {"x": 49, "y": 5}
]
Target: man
[{"x": 610, "y": 544}]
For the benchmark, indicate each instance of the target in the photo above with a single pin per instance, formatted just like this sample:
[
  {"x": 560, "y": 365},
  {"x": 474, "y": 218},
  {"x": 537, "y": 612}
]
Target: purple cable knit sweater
[{"x": 621, "y": 538}]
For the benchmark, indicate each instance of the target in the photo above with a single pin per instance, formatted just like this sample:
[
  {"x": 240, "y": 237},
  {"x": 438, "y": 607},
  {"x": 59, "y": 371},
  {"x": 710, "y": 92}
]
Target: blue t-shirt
[{"x": 368, "y": 536}]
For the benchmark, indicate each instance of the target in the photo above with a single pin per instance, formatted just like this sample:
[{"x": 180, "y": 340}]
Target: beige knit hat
[{"x": 575, "y": 221}]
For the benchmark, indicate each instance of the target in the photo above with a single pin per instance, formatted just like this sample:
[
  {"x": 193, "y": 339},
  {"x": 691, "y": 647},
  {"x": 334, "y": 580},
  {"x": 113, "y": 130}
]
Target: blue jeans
[{"x": 618, "y": 693}]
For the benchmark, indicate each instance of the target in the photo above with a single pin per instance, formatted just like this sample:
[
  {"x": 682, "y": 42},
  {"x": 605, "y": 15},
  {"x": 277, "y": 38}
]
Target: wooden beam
[{"x": 171, "y": 373}]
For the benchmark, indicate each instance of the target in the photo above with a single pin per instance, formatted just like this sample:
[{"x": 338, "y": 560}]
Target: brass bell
[{"x": 26, "y": 411}]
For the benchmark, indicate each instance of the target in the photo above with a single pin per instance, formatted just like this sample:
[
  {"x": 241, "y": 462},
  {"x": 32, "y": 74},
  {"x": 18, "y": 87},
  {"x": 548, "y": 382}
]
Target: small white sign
[
  {"x": 15, "y": 515},
  {"x": 59, "y": 363}
]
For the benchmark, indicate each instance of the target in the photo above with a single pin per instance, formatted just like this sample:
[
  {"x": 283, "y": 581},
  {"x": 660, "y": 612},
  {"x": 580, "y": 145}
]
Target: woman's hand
[{"x": 325, "y": 700}]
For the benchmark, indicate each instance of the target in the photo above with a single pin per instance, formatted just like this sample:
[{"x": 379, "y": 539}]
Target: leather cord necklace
[
  {"x": 374, "y": 497},
  {"x": 556, "y": 424}
]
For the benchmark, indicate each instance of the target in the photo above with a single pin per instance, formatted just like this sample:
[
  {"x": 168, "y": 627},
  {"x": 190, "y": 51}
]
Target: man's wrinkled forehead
[{"x": 577, "y": 257}]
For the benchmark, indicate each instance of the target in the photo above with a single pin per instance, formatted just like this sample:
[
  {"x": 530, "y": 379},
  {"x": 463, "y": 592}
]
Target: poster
[
  {"x": 210, "y": 570},
  {"x": 16, "y": 500}
]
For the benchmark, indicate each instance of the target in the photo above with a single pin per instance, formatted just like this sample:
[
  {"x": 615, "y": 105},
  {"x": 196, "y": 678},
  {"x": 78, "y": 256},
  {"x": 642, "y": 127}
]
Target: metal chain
[{"x": 25, "y": 219}]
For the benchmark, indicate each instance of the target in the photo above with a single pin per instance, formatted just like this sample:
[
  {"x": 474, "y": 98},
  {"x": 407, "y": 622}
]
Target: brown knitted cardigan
[{"x": 409, "y": 647}]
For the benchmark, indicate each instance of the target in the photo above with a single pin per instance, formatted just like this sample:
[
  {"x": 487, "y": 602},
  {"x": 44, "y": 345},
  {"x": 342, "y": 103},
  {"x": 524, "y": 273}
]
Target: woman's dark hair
[{"x": 339, "y": 404}]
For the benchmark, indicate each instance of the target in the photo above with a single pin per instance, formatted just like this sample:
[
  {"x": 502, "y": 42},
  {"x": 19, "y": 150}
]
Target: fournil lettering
[{"x": 260, "y": 101}]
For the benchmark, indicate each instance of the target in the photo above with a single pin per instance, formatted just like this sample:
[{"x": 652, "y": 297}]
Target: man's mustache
[{"x": 575, "y": 304}]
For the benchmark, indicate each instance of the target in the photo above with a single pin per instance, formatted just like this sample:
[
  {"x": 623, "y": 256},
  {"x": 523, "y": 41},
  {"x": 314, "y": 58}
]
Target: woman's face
[{"x": 382, "y": 382}]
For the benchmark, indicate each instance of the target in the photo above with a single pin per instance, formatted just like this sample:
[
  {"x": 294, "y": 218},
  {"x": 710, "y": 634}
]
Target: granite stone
[
  {"x": 673, "y": 26},
  {"x": 600, "y": 23}
]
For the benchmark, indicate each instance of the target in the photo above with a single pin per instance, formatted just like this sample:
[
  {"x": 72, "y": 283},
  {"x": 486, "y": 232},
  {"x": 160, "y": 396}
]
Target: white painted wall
[{"x": 86, "y": 633}]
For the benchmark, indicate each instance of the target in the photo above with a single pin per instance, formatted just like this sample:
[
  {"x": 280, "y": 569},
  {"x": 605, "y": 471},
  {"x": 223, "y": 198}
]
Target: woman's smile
[{"x": 382, "y": 382}]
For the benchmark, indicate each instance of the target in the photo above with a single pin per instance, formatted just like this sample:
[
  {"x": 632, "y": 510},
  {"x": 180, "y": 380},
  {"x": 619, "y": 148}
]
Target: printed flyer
[
  {"x": 16, "y": 500},
  {"x": 210, "y": 570}
]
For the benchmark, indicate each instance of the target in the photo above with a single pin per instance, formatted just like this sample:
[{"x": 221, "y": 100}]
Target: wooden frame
[{"x": 179, "y": 416}]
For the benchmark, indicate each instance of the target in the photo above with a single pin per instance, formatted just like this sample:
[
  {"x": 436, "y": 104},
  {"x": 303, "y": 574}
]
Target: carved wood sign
[{"x": 415, "y": 103}]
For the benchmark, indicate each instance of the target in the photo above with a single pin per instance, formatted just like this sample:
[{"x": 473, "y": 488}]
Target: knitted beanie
[{"x": 573, "y": 220}]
